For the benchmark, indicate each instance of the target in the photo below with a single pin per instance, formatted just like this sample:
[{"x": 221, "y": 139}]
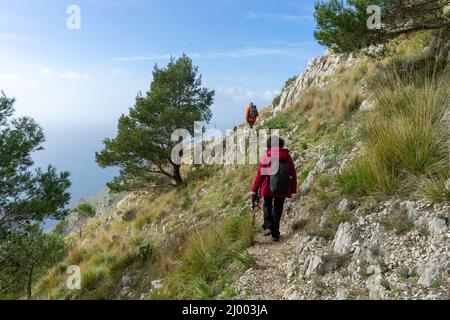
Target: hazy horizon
[{"x": 76, "y": 83}]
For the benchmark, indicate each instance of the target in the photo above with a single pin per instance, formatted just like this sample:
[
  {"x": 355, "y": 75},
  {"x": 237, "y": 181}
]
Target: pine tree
[
  {"x": 27, "y": 198},
  {"x": 25, "y": 256},
  {"x": 342, "y": 25},
  {"x": 143, "y": 146}
]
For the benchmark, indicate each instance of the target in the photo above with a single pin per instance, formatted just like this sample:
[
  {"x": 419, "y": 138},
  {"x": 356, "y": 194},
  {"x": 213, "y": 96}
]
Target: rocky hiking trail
[{"x": 267, "y": 280}]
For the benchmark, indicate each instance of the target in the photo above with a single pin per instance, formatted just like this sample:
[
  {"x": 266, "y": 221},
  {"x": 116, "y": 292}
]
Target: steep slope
[
  {"x": 348, "y": 234},
  {"x": 338, "y": 244}
]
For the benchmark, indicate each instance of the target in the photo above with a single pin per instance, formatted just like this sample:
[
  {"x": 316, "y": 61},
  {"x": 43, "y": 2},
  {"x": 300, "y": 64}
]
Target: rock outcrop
[{"x": 318, "y": 73}]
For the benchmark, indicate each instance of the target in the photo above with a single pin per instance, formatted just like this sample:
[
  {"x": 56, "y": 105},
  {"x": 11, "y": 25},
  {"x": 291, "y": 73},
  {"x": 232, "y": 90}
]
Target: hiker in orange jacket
[{"x": 251, "y": 115}]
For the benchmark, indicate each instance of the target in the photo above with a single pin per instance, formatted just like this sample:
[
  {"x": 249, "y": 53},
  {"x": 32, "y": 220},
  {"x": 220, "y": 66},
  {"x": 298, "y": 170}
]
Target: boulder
[
  {"x": 413, "y": 213},
  {"x": 428, "y": 273},
  {"x": 373, "y": 283},
  {"x": 366, "y": 105},
  {"x": 375, "y": 239},
  {"x": 322, "y": 164},
  {"x": 437, "y": 226},
  {"x": 341, "y": 294},
  {"x": 342, "y": 242},
  {"x": 344, "y": 205},
  {"x": 313, "y": 265}
]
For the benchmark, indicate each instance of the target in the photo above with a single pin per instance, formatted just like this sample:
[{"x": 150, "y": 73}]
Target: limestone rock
[
  {"x": 314, "y": 263},
  {"x": 447, "y": 185},
  {"x": 157, "y": 284},
  {"x": 413, "y": 213},
  {"x": 366, "y": 105},
  {"x": 341, "y": 294},
  {"x": 376, "y": 290},
  {"x": 321, "y": 165},
  {"x": 318, "y": 73},
  {"x": 428, "y": 274},
  {"x": 343, "y": 240},
  {"x": 344, "y": 205},
  {"x": 437, "y": 226}
]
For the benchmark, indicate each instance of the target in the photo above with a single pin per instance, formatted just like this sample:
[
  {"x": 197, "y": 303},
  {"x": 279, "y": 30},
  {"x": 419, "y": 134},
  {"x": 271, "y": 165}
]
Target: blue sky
[
  {"x": 245, "y": 50},
  {"x": 81, "y": 81}
]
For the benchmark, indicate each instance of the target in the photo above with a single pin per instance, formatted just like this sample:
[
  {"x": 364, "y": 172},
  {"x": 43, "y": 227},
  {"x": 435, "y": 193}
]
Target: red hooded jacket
[{"x": 262, "y": 181}]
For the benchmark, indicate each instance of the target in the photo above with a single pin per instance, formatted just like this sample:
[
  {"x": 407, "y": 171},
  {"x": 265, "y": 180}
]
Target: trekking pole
[{"x": 255, "y": 207}]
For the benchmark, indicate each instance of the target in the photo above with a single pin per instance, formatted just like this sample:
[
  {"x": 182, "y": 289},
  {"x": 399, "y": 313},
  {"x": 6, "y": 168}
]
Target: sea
[{"x": 72, "y": 148}]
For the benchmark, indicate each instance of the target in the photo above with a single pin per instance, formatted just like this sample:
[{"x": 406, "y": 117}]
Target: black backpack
[
  {"x": 280, "y": 183},
  {"x": 253, "y": 112}
]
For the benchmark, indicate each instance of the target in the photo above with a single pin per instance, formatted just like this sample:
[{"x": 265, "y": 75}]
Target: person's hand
[{"x": 255, "y": 198}]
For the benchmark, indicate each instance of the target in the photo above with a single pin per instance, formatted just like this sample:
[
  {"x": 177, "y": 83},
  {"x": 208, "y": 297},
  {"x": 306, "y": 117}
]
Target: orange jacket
[{"x": 248, "y": 115}]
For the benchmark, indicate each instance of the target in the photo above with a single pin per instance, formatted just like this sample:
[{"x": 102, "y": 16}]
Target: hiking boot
[
  {"x": 275, "y": 239},
  {"x": 266, "y": 232}
]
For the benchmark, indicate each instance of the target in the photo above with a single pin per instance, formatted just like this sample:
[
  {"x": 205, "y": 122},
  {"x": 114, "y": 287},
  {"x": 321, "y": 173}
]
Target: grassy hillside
[{"x": 196, "y": 238}]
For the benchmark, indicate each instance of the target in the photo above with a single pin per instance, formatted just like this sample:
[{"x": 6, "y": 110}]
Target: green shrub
[
  {"x": 304, "y": 173},
  {"x": 336, "y": 217},
  {"x": 124, "y": 261},
  {"x": 276, "y": 100},
  {"x": 325, "y": 232},
  {"x": 405, "y": 137},
  {"x": 435, "y": 190},
  {"x": 280, "y": 121},
  {"x": 207, "y": 260},
  {"x": 398, "y": 221},
  {"x": 299, "y": 224},
  {"x": 92, "y": 276}
]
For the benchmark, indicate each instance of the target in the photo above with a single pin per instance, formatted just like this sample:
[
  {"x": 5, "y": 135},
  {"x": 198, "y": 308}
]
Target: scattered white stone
[
  {"x": 437, "y": 226},
  {"x": 343, "y": 240},
  {"x": 366, "y": 105},
  {"x": 314, "y": 263},
  {"x": 447, "y": 185},
  {"x": 157, "y": 284},
  {"x": 376, "y": 290},
  {"x": 413, "y": 213},
  {"x": 341, "y": 294},
  {"x": 343, "y": 205},
  {"x": 428, "y": 273}
]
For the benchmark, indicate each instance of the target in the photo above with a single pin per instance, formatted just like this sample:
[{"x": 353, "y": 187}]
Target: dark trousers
[
  {"x": 251, "y": 124},
  {"x": 273, "y": 210}
]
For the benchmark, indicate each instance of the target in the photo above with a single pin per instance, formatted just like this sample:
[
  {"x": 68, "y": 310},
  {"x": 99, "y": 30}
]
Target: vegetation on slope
[
  {"x": 195, "y": 237},
  {"x": 198, "y": 234}
]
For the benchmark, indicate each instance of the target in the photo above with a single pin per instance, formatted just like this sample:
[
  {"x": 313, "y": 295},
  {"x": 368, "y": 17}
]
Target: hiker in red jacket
[{"x": 275, "y": 185}]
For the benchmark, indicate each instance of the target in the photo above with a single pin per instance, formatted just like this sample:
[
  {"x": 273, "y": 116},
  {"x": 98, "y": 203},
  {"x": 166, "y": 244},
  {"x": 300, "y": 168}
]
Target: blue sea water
[{"x": 72, "y": 148}]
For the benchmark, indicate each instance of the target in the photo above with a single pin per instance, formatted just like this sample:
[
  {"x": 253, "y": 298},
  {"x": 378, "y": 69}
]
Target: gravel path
[{"x": 267, "y": 280}]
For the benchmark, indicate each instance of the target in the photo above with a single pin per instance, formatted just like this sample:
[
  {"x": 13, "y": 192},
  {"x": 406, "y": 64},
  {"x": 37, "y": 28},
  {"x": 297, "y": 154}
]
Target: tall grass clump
[
  {"x": 211, "y": 257},
  {"x": 406, "y": 136}
]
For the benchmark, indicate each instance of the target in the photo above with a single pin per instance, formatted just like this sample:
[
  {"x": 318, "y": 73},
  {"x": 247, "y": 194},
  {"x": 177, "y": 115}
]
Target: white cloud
[
  {"x": 12, "y": 37},
  {"x": 46, "y": 72},
  {"x": 70, "y": 74},
  {"x": 279, "y": 17},
  {"x": 239, "y": 95},
  {"x": 14, "y": 80},
  {"x": 235, "y": 54}
]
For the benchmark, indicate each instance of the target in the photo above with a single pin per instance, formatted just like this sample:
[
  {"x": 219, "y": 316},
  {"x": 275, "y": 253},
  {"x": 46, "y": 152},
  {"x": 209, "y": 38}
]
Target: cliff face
[
  {"x": 101, "y": 202},
  {"x": 319, "y": 72}
]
